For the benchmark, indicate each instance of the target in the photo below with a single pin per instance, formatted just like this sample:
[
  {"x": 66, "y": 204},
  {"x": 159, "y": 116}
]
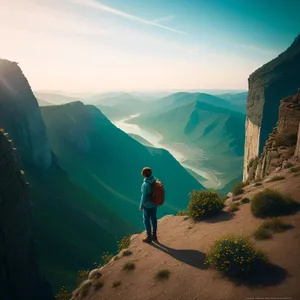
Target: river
[{"x": 189, "y": 157}]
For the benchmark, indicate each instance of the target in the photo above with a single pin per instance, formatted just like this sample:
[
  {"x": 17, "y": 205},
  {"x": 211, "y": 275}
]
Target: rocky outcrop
[
  {"x": 282, "y": 141},
  {"x": 21, "y": 117},
  {"x": 297, "y": 151},
  {"x": 19, "y": 274},
  {"x": 267, "y": 86}
]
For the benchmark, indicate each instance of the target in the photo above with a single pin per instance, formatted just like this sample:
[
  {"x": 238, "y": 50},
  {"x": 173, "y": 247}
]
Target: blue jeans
[{"x": 150, "y": 215}]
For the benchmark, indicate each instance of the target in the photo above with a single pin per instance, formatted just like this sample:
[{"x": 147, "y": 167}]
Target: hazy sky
[{"x": 91, "y": 45}]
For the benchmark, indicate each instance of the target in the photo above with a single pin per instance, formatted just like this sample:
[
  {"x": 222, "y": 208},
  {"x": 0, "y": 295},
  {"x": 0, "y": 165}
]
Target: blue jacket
[{"x": 146, "y": 192}]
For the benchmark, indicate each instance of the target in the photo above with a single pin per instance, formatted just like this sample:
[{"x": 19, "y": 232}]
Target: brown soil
[{"x": 182, "y": 248}]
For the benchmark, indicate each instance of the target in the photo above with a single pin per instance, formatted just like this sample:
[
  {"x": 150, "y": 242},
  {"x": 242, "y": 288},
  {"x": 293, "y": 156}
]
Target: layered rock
[
  {"x": 21, "y": 117},
  {"x": 297, "y": 151},
  {"x": 19, "y": 274},
  {"x": 281, "y": 144},
  {"x": 267, "y": 86}
]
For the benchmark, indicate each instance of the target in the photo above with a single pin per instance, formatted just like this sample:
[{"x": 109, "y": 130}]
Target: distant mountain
[
  {"x": 239, "y": 100},
  {"x": 71, "y": 227},
  {"x": 107, "y": 162},
  {"x": 44, "y": 103},
  {"x": 216, "y": 130},
  {"x": 53, "y": 98}
]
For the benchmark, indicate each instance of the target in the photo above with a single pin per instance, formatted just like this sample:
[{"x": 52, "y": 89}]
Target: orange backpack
[{"x": 158, "y": 193}]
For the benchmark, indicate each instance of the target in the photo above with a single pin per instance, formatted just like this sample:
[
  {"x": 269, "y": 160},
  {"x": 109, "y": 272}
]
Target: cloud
[
  {"x": 102, "y": 7},
  {"x": 164, "y": 19}
]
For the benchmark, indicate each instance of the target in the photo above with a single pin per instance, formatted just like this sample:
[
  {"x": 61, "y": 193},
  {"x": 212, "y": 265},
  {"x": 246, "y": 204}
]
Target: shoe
[
  {"x": 148, "y": 239},
  {"x": 154, "y": 237}
]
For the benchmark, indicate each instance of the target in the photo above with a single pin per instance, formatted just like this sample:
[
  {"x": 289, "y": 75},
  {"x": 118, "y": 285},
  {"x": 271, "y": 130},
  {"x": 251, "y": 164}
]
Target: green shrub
[
  {"x": 233, "y": 207},
  {"x": 262, "y": 233},
  {"x": 295, "y": 169},
  {"x": 127, "y": 253},
  {"x": 182, "y": 213},
  {"x": 162, "y": 274},
  {"x": 234, "y": 255},
  {"x": 238, "y": 189},
  {"x": 106, "y": 258},
  {"x": 85, "y": 288},
  {"x": 245, "y": 200},
  {"x": 204, "y": 203},
  {"x": 277, "y": 178},
  {"x": 129, "y": 266},
  {"x": 116, "y": 283},
  {"x": 275, "y": 225},
  {"x": 287, "y": 139},
  {"x": 63, "y": 294},
  {"x": 124, "y": 243},
  {"x": 270, "y": 203},
  {"x": 82, "y": 275},
  {"x": 98, "y": 284}
]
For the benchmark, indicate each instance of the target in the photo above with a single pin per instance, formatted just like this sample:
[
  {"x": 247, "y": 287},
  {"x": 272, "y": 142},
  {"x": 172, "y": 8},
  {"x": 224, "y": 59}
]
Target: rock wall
[
  {"x": 297, "y": 151},
  {"x": 267, "y": 86},
  {"x": 21, "y": 116},
  {"x": 282, "y": 141},
  {"x": 19, "y": 274}
]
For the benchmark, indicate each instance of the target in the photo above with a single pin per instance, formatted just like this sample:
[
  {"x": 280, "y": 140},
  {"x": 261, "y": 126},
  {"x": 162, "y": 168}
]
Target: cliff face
[
  {"x": 282, "y": 143},
  {"x": 267, "y": 86},
  {"x": 21, "y": 117},
  {"x": 19, "y": 275}
]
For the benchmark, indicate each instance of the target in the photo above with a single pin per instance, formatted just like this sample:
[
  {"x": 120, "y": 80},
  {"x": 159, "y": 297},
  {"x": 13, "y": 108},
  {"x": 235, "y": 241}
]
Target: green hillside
[{"x": 107, "y": 162}]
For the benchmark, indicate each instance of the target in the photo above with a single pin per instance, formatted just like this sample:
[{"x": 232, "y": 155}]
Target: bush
[
  {"x": 262, "y": 233},
  {"x": 182, "y": 213},
  {"x": 127, "y": 253},
  {"x": 234, "y": 255},
  {"x": 162, "y": 274},
  {"x": 124, "y": 243},
  {"x": 288, "y": 139},
  {"x": 275, "y": 225},
  {"x": 116, "y": 283},
  {"x": 270, "y": 203},
  {"x": 277, "y": 178},
  {"x": 129, "y": 267},
  {"x": 295, "y": 169},
  {"x": 85, "y": 288},
  {"x": 106, "y": 258},
  {"x": 238, "y": 189},
  {"x": 63, "y": 294},
  {"x": 233, "y": 207},
  {"x": 82, "y": 275},
  {"x": 204, "y": 203}
]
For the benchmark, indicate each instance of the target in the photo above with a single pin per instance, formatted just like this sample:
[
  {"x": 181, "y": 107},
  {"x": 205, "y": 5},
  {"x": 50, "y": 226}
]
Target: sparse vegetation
[
  {"x": 204, "y": 203},
  {"x": 295, "y": 169},
  {"x": 124, "y": 243},
  {"x": 270, "y": 203},
  {"x": 127, "y": 253},
  {"x": 238, "y": 189},
  {"x": 182, "y": 213},
  {"x": 162, "y": 274},
  {"x": 82, "y": 275},
  {"x": 275, "y": 225},
  {"x": 234, "y": 255},
  {"x": 116, "y": 283},
  {"x": 233, "y": 207},
  {"x": 106, "y": 258},
  {"x": 63, "y": 294},
  {"x": 245, "y": 200},
  {"x": 85, "y": 288},
  {"x": 98, "y": 285},
  {"x": 129, "y": 267},
  {"x": 287, "y": 139},
  {"x": 262, "y": 233},
  {"x": 277, "y": 178}
]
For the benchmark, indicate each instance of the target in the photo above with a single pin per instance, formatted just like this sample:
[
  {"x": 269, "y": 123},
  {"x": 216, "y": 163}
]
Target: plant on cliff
[
  {"x": 234, "y": 255},
  {"x": 204, "y": 203},
  {"x": 124, "y": 243},
  {"x": 270, "y": 203},
  {"x": 287, "y": 139},
  {"x": 82, "y": 275},
  {"x": 106, "y": 258},
  {"x": 238, "y": 189},
  {"x": 163, "y": 274},
  {"x": 63, "y": 294}
]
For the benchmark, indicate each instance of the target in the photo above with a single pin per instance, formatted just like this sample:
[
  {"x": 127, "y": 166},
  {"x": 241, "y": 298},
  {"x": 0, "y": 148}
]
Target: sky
[{"x": 93, "y": 46}]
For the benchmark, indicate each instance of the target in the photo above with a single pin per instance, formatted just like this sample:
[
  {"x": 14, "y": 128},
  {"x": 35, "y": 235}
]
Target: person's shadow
[{"x": 193, "y": 258}]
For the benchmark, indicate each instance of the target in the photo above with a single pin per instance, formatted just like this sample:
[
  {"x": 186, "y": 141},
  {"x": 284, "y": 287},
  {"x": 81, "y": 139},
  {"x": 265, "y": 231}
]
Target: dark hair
[{"x": 147, "y": 172}]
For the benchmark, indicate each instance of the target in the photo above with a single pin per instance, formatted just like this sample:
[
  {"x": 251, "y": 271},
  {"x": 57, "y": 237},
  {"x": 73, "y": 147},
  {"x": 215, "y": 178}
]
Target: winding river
[{"x": 189, "y": 157}]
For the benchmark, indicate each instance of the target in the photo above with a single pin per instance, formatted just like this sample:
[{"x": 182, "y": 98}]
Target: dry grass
[
  {"x": 162, "y": 274},
  {"x": 129, "y": 267},
  {"x": 262, "y": 233},
  {"x": 116, "y": 283},
  {"x": 127, "y": 253}
]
